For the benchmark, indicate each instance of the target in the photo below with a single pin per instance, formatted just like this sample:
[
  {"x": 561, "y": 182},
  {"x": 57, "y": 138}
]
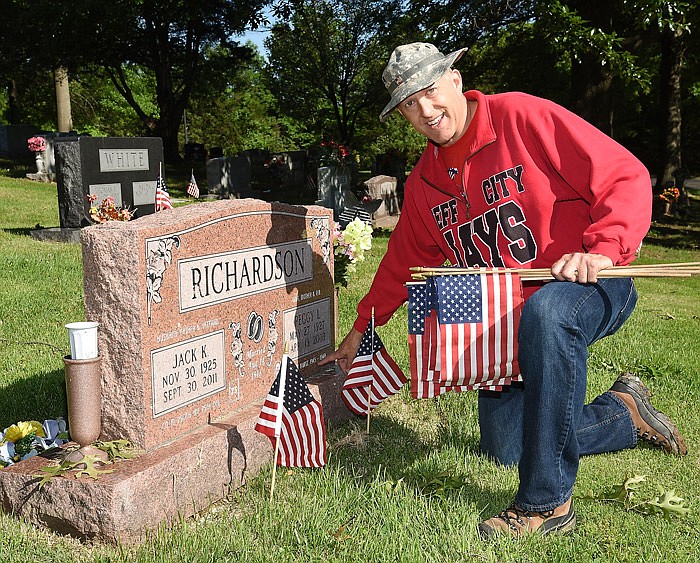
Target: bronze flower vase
[{"x": 84, "y": 390}]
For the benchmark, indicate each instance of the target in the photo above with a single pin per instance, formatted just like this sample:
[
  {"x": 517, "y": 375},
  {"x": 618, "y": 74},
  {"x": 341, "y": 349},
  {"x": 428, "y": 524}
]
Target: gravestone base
[
  {"x": 176, "y": 480},
  {"x": 41, "y": 177},
  {"x": 56, "y": 234},
  {"x": 386, "y": 222}
]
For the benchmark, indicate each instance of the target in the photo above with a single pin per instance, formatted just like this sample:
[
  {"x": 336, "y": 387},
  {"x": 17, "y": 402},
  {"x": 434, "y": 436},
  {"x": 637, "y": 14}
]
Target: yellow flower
[{"x": 22, "y": 429}]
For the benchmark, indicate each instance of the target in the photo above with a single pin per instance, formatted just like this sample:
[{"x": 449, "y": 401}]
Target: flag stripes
[
  {"x": 350, "y": 213},
  {"x": 192, "y": 187},
  {"x": 162, "y": 195},
  {"x": 297, "y": 421},
  {"x": 463, "y": 332},
  {"x": 373, "y": 368}
]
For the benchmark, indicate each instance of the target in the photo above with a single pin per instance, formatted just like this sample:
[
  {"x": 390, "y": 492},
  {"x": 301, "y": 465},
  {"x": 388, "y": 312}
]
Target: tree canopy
[{"x": 631, "y": 67}]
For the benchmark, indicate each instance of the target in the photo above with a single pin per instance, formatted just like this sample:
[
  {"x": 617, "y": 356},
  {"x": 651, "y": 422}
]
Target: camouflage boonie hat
[{"x": 412, "y": 68}]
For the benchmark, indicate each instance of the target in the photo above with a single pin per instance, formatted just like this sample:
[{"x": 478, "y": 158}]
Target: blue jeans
[{"x": 543, "y": 424}]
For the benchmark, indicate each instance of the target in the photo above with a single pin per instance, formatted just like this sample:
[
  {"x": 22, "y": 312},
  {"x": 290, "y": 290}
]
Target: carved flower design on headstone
[
  {"x": 237, "y": 347},
  {"x": 159, "y": 255},
  {"x": 272, "y": 334},
  {"x": 322, "y": 225}
]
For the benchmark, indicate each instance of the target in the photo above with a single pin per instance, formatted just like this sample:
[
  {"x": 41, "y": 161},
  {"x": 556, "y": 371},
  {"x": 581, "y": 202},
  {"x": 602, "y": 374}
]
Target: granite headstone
[
  {"x": 334, "y": 188},
  {"x": 229, "y": 177},
  {"x": 195, "y": 306},
  {"x": 125, "y": 168}
]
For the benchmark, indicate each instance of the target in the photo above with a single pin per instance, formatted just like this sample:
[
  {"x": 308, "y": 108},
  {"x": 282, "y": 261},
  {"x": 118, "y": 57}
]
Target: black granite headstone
[{"x": 125, "y": 168}]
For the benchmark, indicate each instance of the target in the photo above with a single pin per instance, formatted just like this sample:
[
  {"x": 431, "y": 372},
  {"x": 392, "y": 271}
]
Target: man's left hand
[{"x": 580, "y": 267}]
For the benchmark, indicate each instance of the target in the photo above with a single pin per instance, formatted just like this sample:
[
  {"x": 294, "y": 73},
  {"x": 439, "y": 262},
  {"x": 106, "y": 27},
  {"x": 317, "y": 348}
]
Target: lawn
[{"x": 412, "y": 490}]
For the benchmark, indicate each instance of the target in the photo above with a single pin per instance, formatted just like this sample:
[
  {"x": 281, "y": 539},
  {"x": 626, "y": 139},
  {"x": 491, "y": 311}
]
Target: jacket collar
[{"x": 481, "y": 132}]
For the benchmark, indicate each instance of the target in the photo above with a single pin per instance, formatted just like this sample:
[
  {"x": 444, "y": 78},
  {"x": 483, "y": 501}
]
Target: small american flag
[
  {"x": 372, "y": 366},
  {"x": 350, "y": 213},
  {"x": 162, "y": 195},
  {"x": 479, "y": 315},
  {"x": 192, "y": 187},
  {"x": 423, "y": 341},
  {"x": 297, "y": 420}
]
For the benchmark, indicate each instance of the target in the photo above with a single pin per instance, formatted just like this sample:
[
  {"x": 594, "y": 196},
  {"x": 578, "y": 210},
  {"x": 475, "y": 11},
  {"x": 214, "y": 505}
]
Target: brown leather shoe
[
  {"x": 652, "y": 426},
  {"x": 517, "y": 521}
]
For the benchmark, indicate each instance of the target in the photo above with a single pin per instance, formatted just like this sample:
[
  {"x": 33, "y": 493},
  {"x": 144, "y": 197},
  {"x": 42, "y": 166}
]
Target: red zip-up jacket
[{"x": 539, "y": 182}]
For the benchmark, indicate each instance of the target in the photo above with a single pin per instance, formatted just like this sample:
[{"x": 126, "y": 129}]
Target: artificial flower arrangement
[
  {"x": 108, "y": 211},
  {"x": 670, "y": 195},
  {"x": 334, "y": 153},
  {"x": 29, "y": 438},
  {"x": 36, "y": 144},
  {"x": 349, "y": 247}
]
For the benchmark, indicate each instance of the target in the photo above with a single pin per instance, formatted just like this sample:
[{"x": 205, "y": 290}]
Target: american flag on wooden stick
[
  {"x": 479, "y": 316},
  {"x": 192, "y": 187},
  {"x": 291, "y": 414},
  {"x": 463, "y": 333},
  {"x": 372, "y": 369},
  {"x": 162, "y": 195},
  {"x": 423, "y": 341}
]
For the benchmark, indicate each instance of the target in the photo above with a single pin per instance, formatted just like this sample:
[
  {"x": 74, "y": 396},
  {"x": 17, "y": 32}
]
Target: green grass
[{"x": 377, "y": 499}]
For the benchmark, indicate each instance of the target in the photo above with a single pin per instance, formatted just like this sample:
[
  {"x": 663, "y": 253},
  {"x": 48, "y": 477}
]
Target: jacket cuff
[
  {"x": 360, "y": 324},
  {"x": 609, "y": 249}
]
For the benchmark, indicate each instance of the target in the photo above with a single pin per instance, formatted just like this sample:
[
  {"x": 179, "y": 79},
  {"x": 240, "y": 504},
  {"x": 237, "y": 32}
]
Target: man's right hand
[{"x": 346, "y": 352}]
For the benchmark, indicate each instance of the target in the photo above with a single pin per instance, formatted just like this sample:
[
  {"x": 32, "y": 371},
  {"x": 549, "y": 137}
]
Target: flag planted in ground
[
  {"x": 162, "y": 195},
  {"x": 292, "y": 415},
  {"x": 192, "y": 187},
  {"x": 372, "y": 371}
]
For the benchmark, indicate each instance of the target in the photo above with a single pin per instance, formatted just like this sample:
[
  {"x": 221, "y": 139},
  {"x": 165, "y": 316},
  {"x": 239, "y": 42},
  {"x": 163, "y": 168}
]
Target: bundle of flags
[
  {"x": 463, "y": 332},
  {"x": 192, "y": 187},
  {"x": 162, "y": 195},
  {"x": 293, "y": 420},
  {"x": 373, "y": 375}
]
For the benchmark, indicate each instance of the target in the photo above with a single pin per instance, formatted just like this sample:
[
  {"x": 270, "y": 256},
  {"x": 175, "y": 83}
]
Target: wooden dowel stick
[
  {"x": 274, "y": 467},
  {"x": 369, "y": 392},
  {"x": 543, "y": 274},
  {"x": 369, "y": 405}
]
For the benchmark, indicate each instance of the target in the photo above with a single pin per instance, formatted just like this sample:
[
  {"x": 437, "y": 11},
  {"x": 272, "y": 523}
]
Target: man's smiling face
[{"x": 439, "y": 111}]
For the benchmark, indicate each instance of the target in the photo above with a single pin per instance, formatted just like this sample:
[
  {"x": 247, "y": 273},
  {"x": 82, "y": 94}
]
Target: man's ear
[{"x": 456, "y": 79}]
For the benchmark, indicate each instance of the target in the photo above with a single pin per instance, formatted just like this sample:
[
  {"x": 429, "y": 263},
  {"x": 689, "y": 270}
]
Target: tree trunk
[
  {"x": 64, "y": 116},
  {"x": 672, "y": 52},
  {"x": 12, "y": 103},
  {"x": 591, "y": 81},
  {"x": 592, "y": 93}
]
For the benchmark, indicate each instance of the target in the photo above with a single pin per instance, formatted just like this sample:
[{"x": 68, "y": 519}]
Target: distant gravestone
[
  {"x": 392, "y": 164},
  {"x": 195, "y": 152},
  {"x": 334, "y": 188},
  {"x": 195, "y": 307},
  {"x": 13, "y": 140},
  {"x": 297, "y": 177},
  {"x": 384, "y": 188},
  {"x": 46, "y": 161},
  {"x": 229, "y": 177},
  {"x": 125, "y": 168}
]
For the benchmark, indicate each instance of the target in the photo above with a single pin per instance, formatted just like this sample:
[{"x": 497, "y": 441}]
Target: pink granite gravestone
[{"x": 195, "y": 306}]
